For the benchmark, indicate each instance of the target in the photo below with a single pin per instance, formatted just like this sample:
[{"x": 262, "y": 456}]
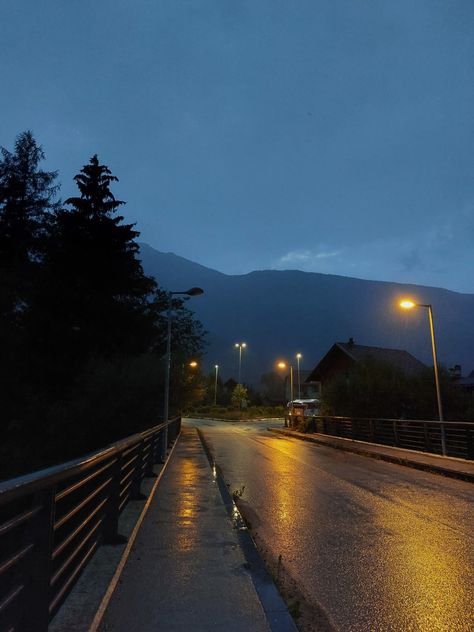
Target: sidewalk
[
  {"x": 445, "y": 465},
  {"x": 186, "y": 569}
]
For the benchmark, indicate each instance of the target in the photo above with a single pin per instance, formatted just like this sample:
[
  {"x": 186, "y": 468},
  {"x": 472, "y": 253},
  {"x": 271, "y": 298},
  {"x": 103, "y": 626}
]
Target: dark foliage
[
  {"x": 84, "y": 326},
  {"x": 374, "y": 389}
]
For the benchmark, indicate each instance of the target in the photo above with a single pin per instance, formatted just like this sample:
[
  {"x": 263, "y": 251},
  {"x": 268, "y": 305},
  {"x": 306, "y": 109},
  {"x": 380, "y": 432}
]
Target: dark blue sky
[{"x": 325, "y": 135}]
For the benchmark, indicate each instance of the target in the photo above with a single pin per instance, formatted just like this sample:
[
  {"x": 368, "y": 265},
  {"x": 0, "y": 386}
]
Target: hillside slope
[{"x": 280, "y": 313}]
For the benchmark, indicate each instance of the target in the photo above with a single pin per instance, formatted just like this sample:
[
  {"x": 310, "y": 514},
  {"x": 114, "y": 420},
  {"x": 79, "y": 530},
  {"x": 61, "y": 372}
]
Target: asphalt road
[{"x": 376, "y": 546}]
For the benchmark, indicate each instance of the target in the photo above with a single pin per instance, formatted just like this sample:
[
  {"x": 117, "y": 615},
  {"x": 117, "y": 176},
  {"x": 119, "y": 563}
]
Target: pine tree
[
  {"x": 97, "y": 288},
  {"x": 27, "y": 201},
  {"x": 27, "y": 198}
]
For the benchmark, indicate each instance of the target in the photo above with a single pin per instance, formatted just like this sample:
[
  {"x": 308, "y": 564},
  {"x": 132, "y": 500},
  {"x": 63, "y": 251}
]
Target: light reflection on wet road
[{"x": 378, "y": 546}]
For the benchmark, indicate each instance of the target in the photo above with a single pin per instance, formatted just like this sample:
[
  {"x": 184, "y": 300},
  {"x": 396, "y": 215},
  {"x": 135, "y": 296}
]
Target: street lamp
[
  {"x": 194, "y": 291},
  {"x": 284, "y": 365},
  {"x": 298, "y": 358},
  {"x": 408, "y": 304},
  {"x": 216, "y": 366},
  {"x": 240, "y": 346},
  {"x": 193, "y": 364}
]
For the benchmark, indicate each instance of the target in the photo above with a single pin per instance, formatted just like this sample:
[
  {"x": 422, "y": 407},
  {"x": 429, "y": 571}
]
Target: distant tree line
[{"x": 82, "y": 328}]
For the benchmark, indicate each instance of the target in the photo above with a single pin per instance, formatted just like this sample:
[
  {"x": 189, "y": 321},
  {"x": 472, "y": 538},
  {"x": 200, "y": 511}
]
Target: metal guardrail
[
  {"x": 413, "y": 434},
  {"x": 52, "y": 522}
]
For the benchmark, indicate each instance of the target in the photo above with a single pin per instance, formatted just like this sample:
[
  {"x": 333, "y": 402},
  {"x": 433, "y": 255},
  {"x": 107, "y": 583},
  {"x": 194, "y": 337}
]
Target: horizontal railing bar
[
  {"x": 65, "y": 492},
  {"x": 125, "y": 488},
  {"x": 81, "y": 505},
  {"x": 125, "y": 465},
  {"x": 28, "y": 483},
  {"x": 78, "y": 529},
  {"x": 71, "y": 578},
  {"x": 15, "y": 558},
  {"x": 124, "y": 502},
  {"x": 398, "y": 421},
  {"x": 132, "y": 450},
  {"x": 126, "y": 477},
  {"x": 74, "y": 553},
  {"x": 10, "y": 597},
  {"x": 18, "y": 520}
]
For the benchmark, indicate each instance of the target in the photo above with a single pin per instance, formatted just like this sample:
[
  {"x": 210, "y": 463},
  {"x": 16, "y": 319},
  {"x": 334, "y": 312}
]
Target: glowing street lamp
[
  {"x": 240, "y": 346},
  {"x": 284, "y": 365},
  {"x": 194, "y": 291},
  {"x": 409, "y": 304},
  {"x": 298, "y": 358},
  {"x": 193, "y": 364}
]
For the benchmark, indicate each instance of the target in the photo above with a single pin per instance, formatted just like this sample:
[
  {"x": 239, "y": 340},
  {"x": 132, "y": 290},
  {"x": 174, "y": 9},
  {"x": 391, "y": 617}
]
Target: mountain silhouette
[{"x": 279, "y": 313}]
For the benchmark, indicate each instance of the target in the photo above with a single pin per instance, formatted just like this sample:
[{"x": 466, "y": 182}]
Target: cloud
[
  {"x": 305, "y": 256},
  {"x": 440, "y": 254}
]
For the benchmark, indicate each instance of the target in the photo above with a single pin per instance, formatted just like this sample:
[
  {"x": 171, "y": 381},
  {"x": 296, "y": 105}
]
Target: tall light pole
[
  {"x": 194, "y": 291},
  {"x": 298, "y": 358},
  {"x": 284, "y": 365},
  {"x": 216, "y": 366},
  {"x": 407, "y": 304},
  {"x": 240, "y": 346}
]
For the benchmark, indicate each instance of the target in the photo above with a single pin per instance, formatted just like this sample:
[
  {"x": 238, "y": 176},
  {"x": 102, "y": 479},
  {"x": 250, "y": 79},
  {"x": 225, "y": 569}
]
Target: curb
[
  {"x": 352, "y": 446},
  {"x": 276, "y": 612}
]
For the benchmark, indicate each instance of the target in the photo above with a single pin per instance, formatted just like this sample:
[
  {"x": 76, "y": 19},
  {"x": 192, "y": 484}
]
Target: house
[
  {"x": 308, "y": 388},
  {"x": 464, "y": 383},
  {"x": 342, "y": 356}
]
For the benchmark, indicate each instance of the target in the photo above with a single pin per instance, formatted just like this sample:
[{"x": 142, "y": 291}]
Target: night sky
[{"x": 323, "y": 135}]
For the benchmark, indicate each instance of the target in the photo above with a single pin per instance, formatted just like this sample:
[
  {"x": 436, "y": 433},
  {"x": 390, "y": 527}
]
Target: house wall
[{"x": 337, "y": 362}]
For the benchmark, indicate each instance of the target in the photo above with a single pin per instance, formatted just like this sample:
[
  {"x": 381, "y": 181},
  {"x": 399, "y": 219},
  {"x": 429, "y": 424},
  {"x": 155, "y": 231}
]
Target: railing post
[
  {"x": 137, "y": 475},
  {"x": 353, "y": 428},
  {"x": 372, "y": 430},
  {"x": 426, "y": 437},
  {"x": 443, "y": 440},
  {"x": 161, "y": 449},
  {"x": 151, "y": 457},
  {"x": 40, "y": 531},
  {"x": 469, "y": 443},
  {"x": 395, "y": 433},
  {"x": 111, "y": 534}
]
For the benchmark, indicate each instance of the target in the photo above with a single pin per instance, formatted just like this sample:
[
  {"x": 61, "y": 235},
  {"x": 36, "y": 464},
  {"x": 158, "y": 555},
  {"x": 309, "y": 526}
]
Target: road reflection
[
  {"x": 186, "y": 509},
  {"x": 377, "y": 546},
  {"x": 426, "y": 572}
]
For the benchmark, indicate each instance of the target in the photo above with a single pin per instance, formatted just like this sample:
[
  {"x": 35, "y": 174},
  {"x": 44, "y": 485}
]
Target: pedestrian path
[
  {"x": 446, "y": 465},
  {"x": 186, "y": 570}
]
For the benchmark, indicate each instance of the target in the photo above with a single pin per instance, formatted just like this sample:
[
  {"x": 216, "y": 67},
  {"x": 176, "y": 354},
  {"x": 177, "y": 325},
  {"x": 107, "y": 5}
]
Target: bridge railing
[
  {"x": 52, "y": 521},
  {"x": 413, "y": 434}
]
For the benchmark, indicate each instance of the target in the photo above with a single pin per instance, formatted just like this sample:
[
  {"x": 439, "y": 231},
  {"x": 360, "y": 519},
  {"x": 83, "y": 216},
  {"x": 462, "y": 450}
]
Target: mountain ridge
[{"x": 282, "y": 312}]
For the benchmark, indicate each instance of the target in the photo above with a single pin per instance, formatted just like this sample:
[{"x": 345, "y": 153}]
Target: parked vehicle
[{"x": 300, "y": 408}]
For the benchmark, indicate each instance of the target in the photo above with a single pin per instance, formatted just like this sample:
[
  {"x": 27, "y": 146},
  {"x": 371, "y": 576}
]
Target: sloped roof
[{"x": 398, "y": 358}]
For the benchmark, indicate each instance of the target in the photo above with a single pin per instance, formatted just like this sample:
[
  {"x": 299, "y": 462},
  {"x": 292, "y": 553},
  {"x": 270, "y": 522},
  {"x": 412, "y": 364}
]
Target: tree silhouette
[
  {"x": 97, "y": 298},
  {"x": 27, "y": 200},
  {"x": 27, "y": 197}
]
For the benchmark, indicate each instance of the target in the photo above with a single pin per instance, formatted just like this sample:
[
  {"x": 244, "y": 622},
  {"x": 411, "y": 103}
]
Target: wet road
[{"x": 377, "y": 546}]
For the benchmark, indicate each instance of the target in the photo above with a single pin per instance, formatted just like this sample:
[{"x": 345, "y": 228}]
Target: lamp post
[
  {"x": 216, "y": 366},
  {"x": 240, "y": 346},
  {"x": 284, "y": 365},
  {"x": 194, "y": 291},
  {"x": 298, "y": 358},
  {"x": 407, "y": 304}
]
